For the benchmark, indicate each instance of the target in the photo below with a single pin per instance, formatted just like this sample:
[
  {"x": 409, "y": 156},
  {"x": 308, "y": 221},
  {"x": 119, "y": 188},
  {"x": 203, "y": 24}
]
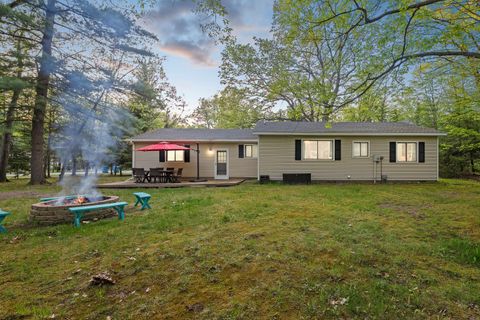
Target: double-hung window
[
  {"x": 406, "y": 152},
  {"x": 175, "y": 155},
  {"x": 360, "y": 149},
  {"x": 251, "y": 150},
  {"x": 318, "y": 149}
]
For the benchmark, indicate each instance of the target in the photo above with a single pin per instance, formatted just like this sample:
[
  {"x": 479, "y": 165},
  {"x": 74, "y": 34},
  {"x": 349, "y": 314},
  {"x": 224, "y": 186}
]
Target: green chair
[
  {"x": 142, "y": 198},
  {"x": 3, "y": 215}
]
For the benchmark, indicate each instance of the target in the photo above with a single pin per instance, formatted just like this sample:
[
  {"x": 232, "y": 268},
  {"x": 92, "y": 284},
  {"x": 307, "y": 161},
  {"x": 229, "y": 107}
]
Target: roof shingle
[
  {"x": 286, "y": 127},
  {"x": 191, "y": 134},
  {"x": 299, "y": 127}
]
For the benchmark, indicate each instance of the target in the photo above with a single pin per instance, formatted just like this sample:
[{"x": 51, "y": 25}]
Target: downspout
[
  {"x": 258, "y": 158},
  {"x": 438, "y": 159},
  {"x": 198, "y": 161},
  {"x": 133, "y": 155}
]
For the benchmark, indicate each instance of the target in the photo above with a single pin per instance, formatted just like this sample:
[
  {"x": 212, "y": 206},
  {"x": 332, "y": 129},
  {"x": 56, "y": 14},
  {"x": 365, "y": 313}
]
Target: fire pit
[{"x": 56, "y": 211}]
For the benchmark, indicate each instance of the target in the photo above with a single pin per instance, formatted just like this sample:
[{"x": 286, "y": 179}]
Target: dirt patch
[
  {"x": 21, "y": 194},
  {"x": 414, "y": 211}
]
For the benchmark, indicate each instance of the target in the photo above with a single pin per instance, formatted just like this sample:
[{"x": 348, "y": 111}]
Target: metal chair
[
  {"x": 139, "y": 175},
  {"x": 178, "y": 176},
  {"x": 156, "y": 173}
]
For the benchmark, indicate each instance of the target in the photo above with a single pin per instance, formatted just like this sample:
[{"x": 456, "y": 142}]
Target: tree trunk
[
  {"x": 49, "y": 143},
  {"x": 49, "y": 162},
  {"x": 472, "y": 162},
  {"x": 41, "y": 96},
  {"x": 7, "y": 136},
  {"x": 74, "y": 165},
  {"x": 63, "y": 167}
]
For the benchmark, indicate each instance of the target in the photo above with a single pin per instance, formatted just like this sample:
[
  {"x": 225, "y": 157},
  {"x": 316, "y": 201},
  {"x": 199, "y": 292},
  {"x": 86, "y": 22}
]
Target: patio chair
[
  {"x": 178, "y": 176},
  {"x": 170, "y": 169},
  {"x": 156, "y": 173},
  {"x": 139, "y": 175}
]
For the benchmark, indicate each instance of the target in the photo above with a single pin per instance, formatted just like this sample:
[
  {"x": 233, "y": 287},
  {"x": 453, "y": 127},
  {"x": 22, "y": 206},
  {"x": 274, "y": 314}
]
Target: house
[{"x": 329, "y": 152}]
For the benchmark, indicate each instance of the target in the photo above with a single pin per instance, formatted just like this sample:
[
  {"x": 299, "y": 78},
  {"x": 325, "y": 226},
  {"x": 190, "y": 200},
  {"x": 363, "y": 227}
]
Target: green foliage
[
  {"x": 231, "y": 108},
  {"x": 13, "y": 83}
]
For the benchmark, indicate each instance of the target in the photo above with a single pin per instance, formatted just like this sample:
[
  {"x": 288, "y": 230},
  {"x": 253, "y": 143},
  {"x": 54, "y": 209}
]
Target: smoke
[
  {"x": 98, "y": 42},
  {"x": 91, "y": 132}
]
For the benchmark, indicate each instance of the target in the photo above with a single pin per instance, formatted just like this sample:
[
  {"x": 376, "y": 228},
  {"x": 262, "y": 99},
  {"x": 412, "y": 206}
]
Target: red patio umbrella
[{"x": 163, "y": 146}]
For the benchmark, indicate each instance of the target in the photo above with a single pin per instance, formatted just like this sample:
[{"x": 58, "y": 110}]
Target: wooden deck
[{"x": 183, "y": 184}]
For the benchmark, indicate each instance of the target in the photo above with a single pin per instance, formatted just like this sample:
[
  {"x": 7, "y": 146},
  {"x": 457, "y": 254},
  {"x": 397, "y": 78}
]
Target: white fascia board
[
  {"x": 194, "y": 141},
  {"x": 347, "y": 134}
]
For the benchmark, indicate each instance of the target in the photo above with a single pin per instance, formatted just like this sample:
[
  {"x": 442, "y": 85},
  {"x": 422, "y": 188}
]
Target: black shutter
[
  {"x": 186, "y": 154},
  {"x": 240, "y": 150},
  {"x": 161, "y": 155},
  {"x": 421, "y": 152},
  {"x": 393, "y": 152},
  {"x": 338, "y": 149},
  {"x": 298, "y": 149}
]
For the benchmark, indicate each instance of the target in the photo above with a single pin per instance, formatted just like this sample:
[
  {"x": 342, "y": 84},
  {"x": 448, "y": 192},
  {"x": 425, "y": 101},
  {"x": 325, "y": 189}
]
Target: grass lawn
[{"x": 252, "y": 251}]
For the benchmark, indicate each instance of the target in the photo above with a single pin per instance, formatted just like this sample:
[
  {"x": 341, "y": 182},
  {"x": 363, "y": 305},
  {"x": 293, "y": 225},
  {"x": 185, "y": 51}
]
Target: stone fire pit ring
[{"x": 47, "y": 213}]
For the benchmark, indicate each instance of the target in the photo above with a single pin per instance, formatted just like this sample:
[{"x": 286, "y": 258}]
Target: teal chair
[
  {"x": 142, "y": 198},
  {"x": 3, "y": 215}
]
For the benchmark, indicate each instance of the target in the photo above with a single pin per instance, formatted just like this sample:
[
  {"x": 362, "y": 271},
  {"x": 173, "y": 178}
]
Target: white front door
[{"x": 221, "y": 164}]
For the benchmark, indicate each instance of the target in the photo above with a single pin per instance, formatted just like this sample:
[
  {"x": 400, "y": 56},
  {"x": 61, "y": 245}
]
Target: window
[
  {"x": 360, "y": 149},
  {"x": 251, "y": 150},
  {"x": 406, "y": 152},
  {"x": 318, "y": 149},
  {"x": 175, "y": 155}
]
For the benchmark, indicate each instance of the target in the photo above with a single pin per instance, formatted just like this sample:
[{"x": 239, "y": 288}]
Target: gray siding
[
  {"x": 277, "y": 156},
  {"x": 238, "y": 167}
]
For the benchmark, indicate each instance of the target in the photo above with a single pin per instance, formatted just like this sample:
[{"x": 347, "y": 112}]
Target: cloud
[
  {"x": 178, "y": 27},
  {"x": 195, "y": 52}
]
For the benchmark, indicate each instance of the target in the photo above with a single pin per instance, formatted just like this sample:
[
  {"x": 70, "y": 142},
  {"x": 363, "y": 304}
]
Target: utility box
[
  {"x": 264, "y": 179},
  {"x": 297, "y": 178}
]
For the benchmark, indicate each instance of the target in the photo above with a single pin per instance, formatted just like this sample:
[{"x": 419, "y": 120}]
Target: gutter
[
  {"x": 348, "y": 134},
  {"x": 192, "y": 140}
]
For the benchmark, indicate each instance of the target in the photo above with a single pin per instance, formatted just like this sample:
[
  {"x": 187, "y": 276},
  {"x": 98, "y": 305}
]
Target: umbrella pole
[{"x": 198, "y": 166}]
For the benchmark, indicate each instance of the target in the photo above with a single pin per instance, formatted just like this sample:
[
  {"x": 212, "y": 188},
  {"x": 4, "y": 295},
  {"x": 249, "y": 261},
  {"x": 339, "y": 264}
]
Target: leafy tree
[
  {"x": 98, "y": 29},
  {"x": 303, "y": 69},
  {"x": 154, "y": 102},
  {"x": 461, "y": 147},
  {"x": 374, "y": 106},
  {"x": 230, "y": 108},
  {"x": 400, "y": 33}
]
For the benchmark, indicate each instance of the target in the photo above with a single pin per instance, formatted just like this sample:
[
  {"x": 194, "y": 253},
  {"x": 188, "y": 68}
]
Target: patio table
[{"x": 166, "y": 176}]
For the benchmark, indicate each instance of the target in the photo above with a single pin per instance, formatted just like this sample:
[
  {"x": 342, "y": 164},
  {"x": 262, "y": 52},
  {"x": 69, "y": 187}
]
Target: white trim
[
  {"x": 412, "y": 134},
  {"x": 416, "y": 152},
  {"x": 193, "y": 141},
  {"x": 227, "y": 176},
  {"x": 332, "y": 149},
  {"x": 368, "y": 151},
  {"x": 245, "y": 153},
  {"x": 258, "y": 160},
  {"x": 438, "y": 159},
  {"x": 133, "y": 155}
]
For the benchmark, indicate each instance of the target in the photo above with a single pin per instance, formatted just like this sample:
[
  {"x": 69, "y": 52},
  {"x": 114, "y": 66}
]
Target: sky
[{"x": 192, "y": 58}]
